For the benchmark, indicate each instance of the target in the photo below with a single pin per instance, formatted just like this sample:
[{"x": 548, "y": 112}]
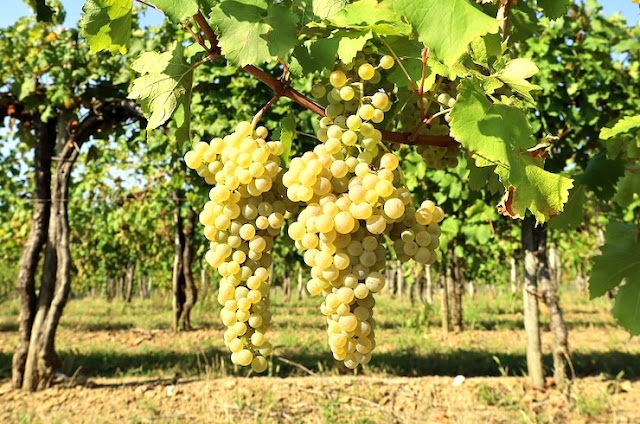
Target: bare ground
[{"x": 338, "y": 399}]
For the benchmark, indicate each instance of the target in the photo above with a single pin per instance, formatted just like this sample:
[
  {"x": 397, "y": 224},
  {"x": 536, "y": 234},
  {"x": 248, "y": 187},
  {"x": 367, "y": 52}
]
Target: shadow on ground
[{"x": 470, "y": 363}]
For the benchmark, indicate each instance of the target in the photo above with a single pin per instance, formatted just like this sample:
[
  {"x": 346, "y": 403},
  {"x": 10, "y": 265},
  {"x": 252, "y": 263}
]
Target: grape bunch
[
  {"x": 245, "y": 211},
  {"x": 352, "y": 195}
]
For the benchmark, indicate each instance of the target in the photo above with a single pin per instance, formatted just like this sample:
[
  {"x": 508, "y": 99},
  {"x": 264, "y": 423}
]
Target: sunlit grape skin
[{"x": 350, "y": 195}]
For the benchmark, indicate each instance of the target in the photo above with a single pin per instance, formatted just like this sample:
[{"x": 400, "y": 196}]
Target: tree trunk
[
  {"x": 444, "y": 305},
  {"x": 390, "y": 277},
  {"x": 131, "y": 270},
  {"x": 42, "y": 359},
  {"x": 530, "y": 295},
  {"x": 555, "y": 265},
  {"x": 471, "y": 289},
  {"x": 300, "y": 285},
  {"x": 420, "y": 285},
  {"x": 187, "y": 258},
  {"x": 110, "y": 289},
  {"x": 178, "y": 286},
  {"x": 429, "y": 294},
  {"x": 120, "y": 287},
  {"x": 513, "y": 275},
  {"x": 55, "y": 287},
  {"x": 456, "y": 291},
  {"x": 400, "y": 280},
  {"x": 287, "y": 288},
  {"x": 43, "y": 151},
  {"x": 549, "y": 289}
]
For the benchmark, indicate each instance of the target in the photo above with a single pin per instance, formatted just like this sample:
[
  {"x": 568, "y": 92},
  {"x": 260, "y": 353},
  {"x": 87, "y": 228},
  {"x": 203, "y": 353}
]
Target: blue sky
[{"x": 74, "y": 9}]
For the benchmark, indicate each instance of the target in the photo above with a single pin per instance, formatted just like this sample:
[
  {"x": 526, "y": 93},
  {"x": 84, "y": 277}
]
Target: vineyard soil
[{"x": 123, "y": 364}]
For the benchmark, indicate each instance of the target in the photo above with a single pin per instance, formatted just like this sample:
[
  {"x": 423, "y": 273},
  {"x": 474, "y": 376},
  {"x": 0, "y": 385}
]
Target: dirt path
[{"x": 322, "y": 400}]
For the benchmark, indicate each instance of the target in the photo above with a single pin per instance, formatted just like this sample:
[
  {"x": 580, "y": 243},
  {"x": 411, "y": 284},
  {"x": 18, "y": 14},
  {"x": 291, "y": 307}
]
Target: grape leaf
[
  {"x": 515, "y": 74},
  {"x": 626, "y": 310},
  {"x": 106, "y": 24},
  {"x": 164, "y": 88},
  {"x": 287, "y": 133},
  {"x": 317, "y": 55},
  {"x": 252, "y": 32},
  {"x": 499, "y": 135},
  {"x": 621, "y": 127},
  {"x": 619, "y": 260},
  {"x": 628, "y": 187},
  {"x": 324, "y": 9},
  {"x": 554, "y": 8},
  {"x": 44, "y": 12},
  {"x": 370, "y": 15},
  {"x": 176, "y": 11},
  {"x": 350, "y": 43},
  {"x": 573, "y": 214},
  {"x": 448, "y": 27}
]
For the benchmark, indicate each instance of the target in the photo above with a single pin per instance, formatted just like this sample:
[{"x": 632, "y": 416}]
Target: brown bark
[
  {"x": 400, "y": 280},
  {"x": 43, "y": 151},
  {"x": 549, "y": 289},
  {"x": 41, "y": 358},
  {"x": 513, "y": 275},
  {"x": 110, "y": 289},
  {"x": 530, "y": 297},
  {"x": 456, "y": 294},
  {"x": 128, "y": 293},
  {"x": 429, "y": 293},
  {"x": 300, "y": 284},
  {"x": 187, "y": 263},
  {"x": 178, "y": 286},
  {"x": 444, "y": 303}
]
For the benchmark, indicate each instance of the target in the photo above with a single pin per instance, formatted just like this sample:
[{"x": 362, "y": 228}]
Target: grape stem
[
  {"x": 283, "y": 89},
  {"x": 261, "y": 112},
  {"x": 503, "y": 14},
  {"x": 425, "y": 59},
  {"x": 427, "y": 121}
]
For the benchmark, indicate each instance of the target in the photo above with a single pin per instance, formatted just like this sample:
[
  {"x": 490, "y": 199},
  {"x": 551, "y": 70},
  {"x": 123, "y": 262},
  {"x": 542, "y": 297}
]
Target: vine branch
[
  {"x": 283, "y": 89},
  {"x": 503, "y": 13}
]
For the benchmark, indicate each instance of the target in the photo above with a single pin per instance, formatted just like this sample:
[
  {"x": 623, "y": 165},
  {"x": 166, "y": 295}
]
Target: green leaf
[
  {"x": 350, "y": 43},
  {"x": 626, "y": 310},
  {"x": 602, "y": 174},
  {"x": 499, "y": 135},
  {"x": 44, "y": 12},
  {"x": 176, "y": 11},
  {"x": 370, "y": 15},
  {"x": 324, "y": 9},
  {"x": 252, "y": 32},
  {"x": 618, "y": 262},
  {"x": 515, "y": 74},
  {"x": 621, "y": 127},
  {"x": 628, "y": 188},
  {"x": 316, "y": 56},
  {"x": 287, "y": 133},
  {"x": 106, "y": 24},
  {"x": 554, "y": 8},
  {"x": 573, "y": 214},
  {"x": 164, "y": 89},
  {"x": 448, "y": 27}
]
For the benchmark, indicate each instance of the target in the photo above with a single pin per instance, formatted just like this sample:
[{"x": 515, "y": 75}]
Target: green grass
[{"x": 100, "y": 338}]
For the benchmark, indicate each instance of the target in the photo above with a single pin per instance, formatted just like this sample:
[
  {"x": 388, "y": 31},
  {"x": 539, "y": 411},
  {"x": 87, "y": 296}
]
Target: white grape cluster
[
  {"x": 245, "y": 211},
  {"x": 353, "y": 194}
]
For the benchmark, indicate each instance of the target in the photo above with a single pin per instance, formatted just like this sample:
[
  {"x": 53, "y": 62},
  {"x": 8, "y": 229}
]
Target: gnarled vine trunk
[
  {"x": 530, "y": 297},
  {"x": 26, "y": 283},
  {"x": 178, "y": 285},
  {"x": 35, "y": 360},
  {"x": 456, "y": 294},
  {"x": 185, "y": 292},
  {"x": 191, "y": 290},
  {"x": 549, "y": 288}
]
